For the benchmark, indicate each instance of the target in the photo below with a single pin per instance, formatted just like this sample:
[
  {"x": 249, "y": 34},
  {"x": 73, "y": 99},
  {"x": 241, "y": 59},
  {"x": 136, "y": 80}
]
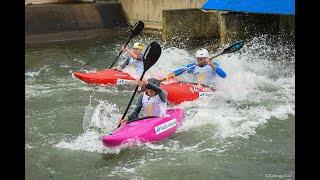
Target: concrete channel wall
[
  {"x": 150, "y": 11},
  {"x": 172, "y": 18},
  {"x": 184, "y": 19},
  {"x": 52, "y": 18},
  {"x": 223, "y": 26},
  {"x": 51, "y": 23},
  {"x": 245, "y": 26},
  {"x": 29, "y": 2},
  {"x": 190, "y": 24}
]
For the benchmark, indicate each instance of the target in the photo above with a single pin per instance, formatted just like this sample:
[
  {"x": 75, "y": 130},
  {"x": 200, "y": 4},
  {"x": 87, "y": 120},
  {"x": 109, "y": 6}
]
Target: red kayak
[
  {"x": 179, "y": 92},
  {"x": 105, "y": 77}
]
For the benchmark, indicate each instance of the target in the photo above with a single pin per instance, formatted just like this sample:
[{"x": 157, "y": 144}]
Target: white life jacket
[
  {"x": 135, "y": 66},
  {"x": 205, "y": 74},
  {"x": 153, "y": 106}
]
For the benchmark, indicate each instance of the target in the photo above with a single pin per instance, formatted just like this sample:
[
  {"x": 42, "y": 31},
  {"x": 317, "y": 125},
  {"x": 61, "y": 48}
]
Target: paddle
[
  {"x": 233, "y": 48},
  {"x": 137, "y": 28},
  {"x": 150, "y": 57}
]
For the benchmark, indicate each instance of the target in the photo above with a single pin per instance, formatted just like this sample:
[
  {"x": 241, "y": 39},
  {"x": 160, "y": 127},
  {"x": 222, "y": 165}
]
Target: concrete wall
[
  {"x": 225, "y": 27},
  {"x": 54, "y": 1},
  {"x": 150, "y": 11},
  {"x": 190, "y": 24},
  {"x": 53, "y": 18},
  {"x": 287, "y": 24},
  {"x": 180, "y": 19},
  {"x": 184, "y": 19},
  {"x": 245, "y": 26}
]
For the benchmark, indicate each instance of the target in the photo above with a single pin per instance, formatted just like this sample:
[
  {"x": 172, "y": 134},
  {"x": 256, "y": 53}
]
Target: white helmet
[
  {"x": 202, "y": 53},
  {"x": 138, "y": 45}
]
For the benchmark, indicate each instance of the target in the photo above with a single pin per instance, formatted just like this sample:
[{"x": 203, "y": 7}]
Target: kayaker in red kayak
[
  {"x": 134, "y": 63},
  {"x": 152, "y": 101},
  {"x": 204, "y": 69}
]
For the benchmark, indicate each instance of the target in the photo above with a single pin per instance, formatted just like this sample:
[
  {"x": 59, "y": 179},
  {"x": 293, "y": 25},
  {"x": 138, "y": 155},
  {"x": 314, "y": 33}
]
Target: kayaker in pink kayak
[
  {"x": 134, "y": 63},
  {"x": 152, "y": 101},
  {"x": 204, "y": 69}
]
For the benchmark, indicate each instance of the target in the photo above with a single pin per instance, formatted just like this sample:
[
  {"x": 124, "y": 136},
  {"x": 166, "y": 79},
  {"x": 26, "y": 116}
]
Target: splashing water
[
  {"x": 259, "y": 86},
  {"x": 255, "y": 90},
  {"x": 101, "y": 117},
  {"x": 98, "y": 120}
]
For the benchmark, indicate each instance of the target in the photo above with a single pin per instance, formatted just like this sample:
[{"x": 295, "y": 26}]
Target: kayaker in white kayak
[
  {"x": 152, "y": 101},
  {"x": 204, "y": 69},
  {"x": 134, "y": 63}
]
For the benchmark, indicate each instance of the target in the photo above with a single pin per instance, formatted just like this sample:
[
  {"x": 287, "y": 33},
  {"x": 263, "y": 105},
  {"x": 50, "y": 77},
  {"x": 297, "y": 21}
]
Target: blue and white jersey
[{"x": 204, "y": 75}]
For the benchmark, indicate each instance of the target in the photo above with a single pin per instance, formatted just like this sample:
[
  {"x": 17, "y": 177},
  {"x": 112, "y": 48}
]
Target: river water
[{"x": 246, "y": 130}]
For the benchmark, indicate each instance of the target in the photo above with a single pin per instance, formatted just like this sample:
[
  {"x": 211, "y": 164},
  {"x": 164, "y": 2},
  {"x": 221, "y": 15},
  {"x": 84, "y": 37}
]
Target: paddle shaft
[
  {"x": 215, "y": 56},
  {"x": 121, "y": 52},
  {"x": 134, "y": 93}
]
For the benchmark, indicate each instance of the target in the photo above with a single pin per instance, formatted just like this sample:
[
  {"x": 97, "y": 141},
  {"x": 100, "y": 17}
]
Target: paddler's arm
[
  {"x": 133, "y": 55},
  {"x": 189, "y": 68},
  {"x": 219, "y": 70},
  {"x": 163, "y": 95},
  {"x": 153, "y": 86},
  {"x": 135, "y": 113},
  {"x": 140, "y": 57}
]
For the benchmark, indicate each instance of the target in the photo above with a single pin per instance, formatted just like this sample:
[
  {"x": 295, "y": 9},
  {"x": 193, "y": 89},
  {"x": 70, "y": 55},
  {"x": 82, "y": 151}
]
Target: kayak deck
[
  {"x": 104, "y": 77},
  {"x": 146, "y": 130},
  {"x": 179, "y": 92}
]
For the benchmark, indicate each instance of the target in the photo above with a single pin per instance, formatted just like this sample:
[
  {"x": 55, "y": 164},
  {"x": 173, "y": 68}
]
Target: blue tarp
[{"x": 283, "y": 7}]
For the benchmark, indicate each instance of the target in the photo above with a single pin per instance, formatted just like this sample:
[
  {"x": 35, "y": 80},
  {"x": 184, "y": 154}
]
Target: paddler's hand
[
  {"x": 171, "y": 75},
  {"x": 198, "y": 86},
  {"x": 124, "y": 48},
  {"x": 141, "y": 83},
  {"x": 116, "y": 68},
  {"x": 123, "y": 121},
  {"x": 209, "y": 62}
]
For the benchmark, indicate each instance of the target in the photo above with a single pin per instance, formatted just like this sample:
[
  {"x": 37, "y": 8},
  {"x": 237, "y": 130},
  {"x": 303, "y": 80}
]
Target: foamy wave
[
  {"x": 104, "y": 116},
  {"x": 257, "y": 88},
  {"x": 89, "y": 141},
  {"x": 98, "y": 120},
  {"x": 36, "y": 73}
]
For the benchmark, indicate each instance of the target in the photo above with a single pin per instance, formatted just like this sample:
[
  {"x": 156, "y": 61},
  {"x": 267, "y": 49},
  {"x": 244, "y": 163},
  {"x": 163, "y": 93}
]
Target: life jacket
[
  {"x": 135, "y": 66},
  {"x": 205, "y": 74},
  {"x": 153, "y": 106}
]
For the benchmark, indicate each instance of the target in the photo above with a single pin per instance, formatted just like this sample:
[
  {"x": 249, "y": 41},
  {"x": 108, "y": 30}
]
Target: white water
[{"x": 260, "y": 85}]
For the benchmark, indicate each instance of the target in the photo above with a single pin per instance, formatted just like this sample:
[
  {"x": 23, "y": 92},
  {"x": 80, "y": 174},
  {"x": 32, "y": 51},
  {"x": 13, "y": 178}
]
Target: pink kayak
[{"x": 152, "y": 129}]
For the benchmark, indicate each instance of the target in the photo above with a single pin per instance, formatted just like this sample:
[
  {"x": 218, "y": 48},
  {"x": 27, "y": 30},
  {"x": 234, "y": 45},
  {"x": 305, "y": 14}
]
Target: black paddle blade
[
  {"x": 234, "y": 47},
  {"x": 151, "y": 55},
  {"x": 137, "y": 28}
]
